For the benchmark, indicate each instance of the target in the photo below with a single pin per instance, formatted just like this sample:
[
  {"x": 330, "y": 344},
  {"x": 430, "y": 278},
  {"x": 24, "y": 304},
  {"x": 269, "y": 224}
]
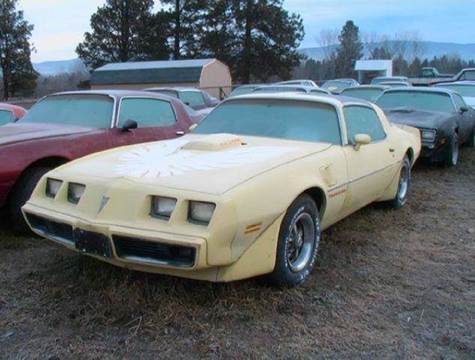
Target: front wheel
[
  {"x": 299, "y": 239},
  {"x": 471, "y": 140},
  {"x": 21, "y": 194},
  {"x": 453, "y": 151},
  {"x": 404, "y": 185}
]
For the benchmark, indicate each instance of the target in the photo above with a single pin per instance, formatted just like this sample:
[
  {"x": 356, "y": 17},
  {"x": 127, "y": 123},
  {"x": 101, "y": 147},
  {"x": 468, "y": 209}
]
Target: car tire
[
  {"x": 299, "y": 240},
  {"x": 453, "y": 151},
  {"x": 404, "y": 185},
  {"x": 471, "y": 140},
  {"x": 21, "y": 194}
]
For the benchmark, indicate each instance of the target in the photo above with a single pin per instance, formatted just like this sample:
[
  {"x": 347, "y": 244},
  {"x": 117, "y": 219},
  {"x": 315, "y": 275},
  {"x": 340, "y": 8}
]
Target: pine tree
[
  {"x": 15, "y": 50},
  {"x": 125, "y": 30},
  {"x": 258, "y": 39},
  {"x": 186, "y": 24},
  {"x": 349, "y": 50}
]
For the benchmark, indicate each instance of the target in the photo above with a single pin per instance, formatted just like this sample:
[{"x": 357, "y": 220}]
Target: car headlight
[
  {"x": 201, "y": 212},
  {"x": 162, "y": 207},
  {"x": 428, "y": 135},
  {"x": 75, "y": 192},
  {"x": 52, "y": 187}
]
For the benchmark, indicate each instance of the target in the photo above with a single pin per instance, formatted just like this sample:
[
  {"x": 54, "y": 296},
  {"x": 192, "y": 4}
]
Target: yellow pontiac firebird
[{"x": 247, "y": 193}]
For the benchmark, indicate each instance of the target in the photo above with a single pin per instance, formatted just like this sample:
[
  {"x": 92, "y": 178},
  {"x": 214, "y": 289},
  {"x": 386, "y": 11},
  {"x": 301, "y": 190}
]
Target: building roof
[
  {"x": 150, "y": 72},
  {"x": 373, "y": 65}
]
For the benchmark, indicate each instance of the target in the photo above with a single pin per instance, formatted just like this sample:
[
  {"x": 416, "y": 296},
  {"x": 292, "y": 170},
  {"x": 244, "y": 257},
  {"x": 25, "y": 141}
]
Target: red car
[
  {"x": 65, "y": 126},
  {"x": 10, "y": 113}
]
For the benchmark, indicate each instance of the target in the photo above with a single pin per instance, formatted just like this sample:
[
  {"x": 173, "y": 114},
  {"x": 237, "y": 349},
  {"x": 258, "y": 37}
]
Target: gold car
[{"x": 247, "y": 193}]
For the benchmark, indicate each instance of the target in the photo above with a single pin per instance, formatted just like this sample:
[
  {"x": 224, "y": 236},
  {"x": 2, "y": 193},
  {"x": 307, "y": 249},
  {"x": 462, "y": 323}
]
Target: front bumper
[
  {"x": 436, "y": 151},
  {"x": 120, "y": 245}
]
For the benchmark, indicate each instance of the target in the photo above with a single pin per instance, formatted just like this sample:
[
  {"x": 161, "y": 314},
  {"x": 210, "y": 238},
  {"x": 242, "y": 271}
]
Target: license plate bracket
[{"x": 92, "y": 243}]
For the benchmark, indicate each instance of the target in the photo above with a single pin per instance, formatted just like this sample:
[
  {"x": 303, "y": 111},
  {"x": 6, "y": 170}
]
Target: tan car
[{"x": 247, "y": 193}]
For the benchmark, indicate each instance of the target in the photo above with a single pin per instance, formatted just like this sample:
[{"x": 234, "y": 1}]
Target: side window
[
  {"x": 459, "y": 102},
  {"x": 468, "y": 75},
  {"x": 363, "y": 120},
  {"x": 5, "y": 117},
  {"x": 192, "y": 98},
  {"x": 146, "y": 112}
]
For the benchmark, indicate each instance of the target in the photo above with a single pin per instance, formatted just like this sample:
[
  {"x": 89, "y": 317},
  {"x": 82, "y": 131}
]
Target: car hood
[
  {"x": 20, "y": 131},
  {"x": 210, "y": 164},
  {"x": 418, "y": 119}
]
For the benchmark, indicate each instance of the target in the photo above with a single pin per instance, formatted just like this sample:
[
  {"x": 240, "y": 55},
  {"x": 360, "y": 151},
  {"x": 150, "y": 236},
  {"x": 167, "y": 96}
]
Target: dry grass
[{"x": 389, "y": 284}]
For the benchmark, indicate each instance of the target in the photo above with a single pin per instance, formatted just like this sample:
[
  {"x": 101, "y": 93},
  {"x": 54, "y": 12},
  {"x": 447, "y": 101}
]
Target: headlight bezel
[
  {"x": 72, "y": 198},
  {"x": 432, "y": 138},
  {"x": 205, "y": 221},
  {"x": 52, "y": 194},
  {"x": 154, "y": 207}
]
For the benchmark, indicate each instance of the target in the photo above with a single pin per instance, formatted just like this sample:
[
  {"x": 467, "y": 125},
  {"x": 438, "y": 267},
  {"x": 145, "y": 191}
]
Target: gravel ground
[{"x": 388, "y": 284}]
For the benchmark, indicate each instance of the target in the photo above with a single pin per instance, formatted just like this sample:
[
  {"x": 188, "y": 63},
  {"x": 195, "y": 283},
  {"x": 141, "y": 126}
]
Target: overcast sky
[{"x": 60, "y": 24}]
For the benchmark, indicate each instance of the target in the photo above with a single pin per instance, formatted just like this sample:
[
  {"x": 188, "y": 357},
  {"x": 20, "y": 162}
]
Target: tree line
[
  {"x": 257, "y": 39},
  {"x": 341, "y": 50}
]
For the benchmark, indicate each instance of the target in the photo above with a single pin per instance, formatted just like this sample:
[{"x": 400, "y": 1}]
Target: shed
[
  {"x": 210, "y": 75},
  {"x": 369, "y": 69}
]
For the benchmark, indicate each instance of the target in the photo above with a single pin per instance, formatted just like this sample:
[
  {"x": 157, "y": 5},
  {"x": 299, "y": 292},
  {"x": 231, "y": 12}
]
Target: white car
[
  {"x": 464, "y": 88},
  {"x": 298, "y": 82}
]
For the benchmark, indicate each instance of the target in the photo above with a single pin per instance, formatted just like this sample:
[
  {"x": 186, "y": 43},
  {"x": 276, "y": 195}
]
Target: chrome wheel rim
[
  {"x": 403, "y": 182},
  {"x": 300, "y": 242},
  {"x": 455, "y": 152}
]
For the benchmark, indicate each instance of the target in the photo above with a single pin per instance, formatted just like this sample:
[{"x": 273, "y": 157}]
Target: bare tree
[{"x": 328, "y": 40}]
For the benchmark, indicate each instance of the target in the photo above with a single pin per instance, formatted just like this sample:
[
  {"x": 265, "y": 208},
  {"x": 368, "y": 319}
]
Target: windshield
[
  {"x": 242, "y": 90},
  {"x": 418, "y": 100},
  {"x": 464, "y": 90},
  {"x": 278, "y": 89},
  {"x": 82, "y": 110},
  {"x": 283, "y": 119},
  {"x": 192, "y": 98},
  {"x": 365, "y": 94},
  {"x": 336, "y": 85}
]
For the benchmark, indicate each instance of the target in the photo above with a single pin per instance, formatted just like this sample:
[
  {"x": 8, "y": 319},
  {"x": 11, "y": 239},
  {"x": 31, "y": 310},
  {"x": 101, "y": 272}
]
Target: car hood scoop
[{"x": 215, "y": 142}]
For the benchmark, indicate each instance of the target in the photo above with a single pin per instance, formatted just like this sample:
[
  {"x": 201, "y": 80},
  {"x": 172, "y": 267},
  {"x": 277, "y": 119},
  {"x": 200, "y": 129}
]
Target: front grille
[
  {"x": 152, "y": 252},
  {"x": 50, "y": 228}
]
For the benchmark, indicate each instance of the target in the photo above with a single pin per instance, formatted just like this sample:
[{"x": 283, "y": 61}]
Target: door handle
[
  {"x": 391, "y": 150},
  {"x": 180, "y": 133}
]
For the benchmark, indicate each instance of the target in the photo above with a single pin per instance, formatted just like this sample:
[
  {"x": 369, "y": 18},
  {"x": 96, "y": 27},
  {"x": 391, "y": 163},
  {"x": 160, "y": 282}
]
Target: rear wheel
[
  {"x": 21, "y": 194},
  {"x": 299, "y": 239},
  {"x": 404, "y": 185},
  {"x": 453, "y": 151}
]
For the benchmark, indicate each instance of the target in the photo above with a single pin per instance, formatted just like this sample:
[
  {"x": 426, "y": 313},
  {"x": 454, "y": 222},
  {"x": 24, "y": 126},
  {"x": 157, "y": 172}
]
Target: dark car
[
  {"x": 196, "y": 99},
  {"x": 10, "y": 113},
  {"x": 365, "y": 92},
  {"x": 65, "y": 126},
  {"x": 443, "y": 117},
  {"x": 267, "y": 89}
]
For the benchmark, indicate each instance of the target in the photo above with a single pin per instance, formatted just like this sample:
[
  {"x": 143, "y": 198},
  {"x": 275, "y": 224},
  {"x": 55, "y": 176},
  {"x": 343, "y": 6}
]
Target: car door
[
  {"x": 465, "y": 119},
  {"x": 156, "y": 120},
  {"x": 371, "y": 166}
]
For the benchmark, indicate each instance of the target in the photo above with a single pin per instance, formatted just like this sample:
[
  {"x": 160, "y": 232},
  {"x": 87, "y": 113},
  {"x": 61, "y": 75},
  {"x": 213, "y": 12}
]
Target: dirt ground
[{"x": 388, "y": 284}]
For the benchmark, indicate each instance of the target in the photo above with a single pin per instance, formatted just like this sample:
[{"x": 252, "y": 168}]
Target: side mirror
[
  {"x": 129, "y": 125},
  {"x": 361, "y": 139},
  {"x": 463, "y": 109}
]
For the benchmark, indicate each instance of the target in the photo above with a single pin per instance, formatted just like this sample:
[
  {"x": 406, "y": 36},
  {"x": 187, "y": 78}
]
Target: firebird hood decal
[
  {"x": 178, "y": 164},
  {"x": 169, "y": 159}
]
